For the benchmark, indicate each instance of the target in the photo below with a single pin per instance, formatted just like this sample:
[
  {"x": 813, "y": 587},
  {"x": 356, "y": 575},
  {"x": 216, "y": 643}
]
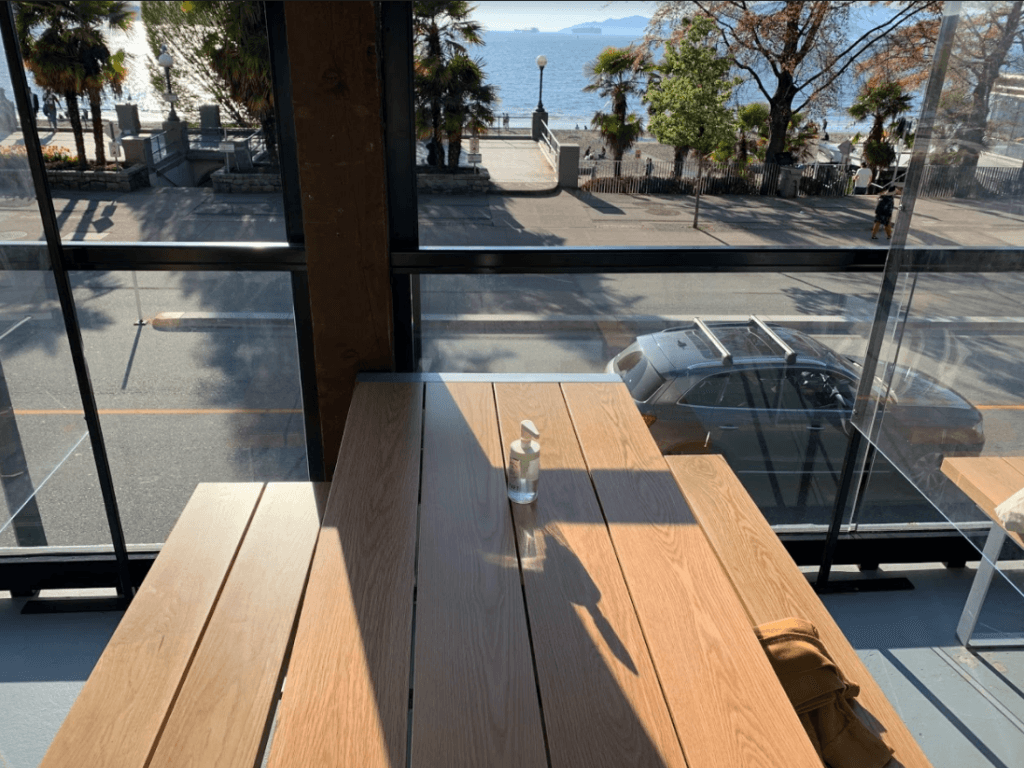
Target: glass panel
[
  {"x": 783, "y": 429},
  {"x": 47, "y": 472},
  {"x": 127, "y": 165},
  {"x": 207, "y": 390},
  {"x": 580, "y": 111},
  {"x": 946, "y": 408}
]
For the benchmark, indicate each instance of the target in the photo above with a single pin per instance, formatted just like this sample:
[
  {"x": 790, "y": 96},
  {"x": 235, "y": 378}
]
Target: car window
[
  {"x": 706, "y": 392},
  {"x": 751, "y": 389},
  {"x": 818, "y": 389}
]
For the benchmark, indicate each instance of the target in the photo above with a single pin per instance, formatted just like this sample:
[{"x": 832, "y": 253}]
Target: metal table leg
[{"x": 979, "y": 589}]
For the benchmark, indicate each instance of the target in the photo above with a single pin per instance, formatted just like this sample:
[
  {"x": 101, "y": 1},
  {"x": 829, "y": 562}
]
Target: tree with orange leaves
[{"x": 796, "y": 52}]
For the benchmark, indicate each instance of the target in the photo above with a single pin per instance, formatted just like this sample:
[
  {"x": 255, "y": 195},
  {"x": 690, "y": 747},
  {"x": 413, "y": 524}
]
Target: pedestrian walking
[
  {"x": 50, "y": 110},
  {"x": 862, "y": 180},
  {"x": 883, "y": 212}
]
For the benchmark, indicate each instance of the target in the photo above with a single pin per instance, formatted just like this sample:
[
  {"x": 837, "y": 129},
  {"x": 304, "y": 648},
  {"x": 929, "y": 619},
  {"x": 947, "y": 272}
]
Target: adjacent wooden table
[
  {"x": 594, "y": 627},
  {"x": 989, "y": 481}
]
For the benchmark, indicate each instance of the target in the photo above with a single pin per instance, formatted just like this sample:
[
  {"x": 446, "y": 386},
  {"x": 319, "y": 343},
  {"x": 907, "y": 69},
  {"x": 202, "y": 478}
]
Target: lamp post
[
  {"x": 542, "y": 61},
  {"x": 166, "y": 61},
  {"x": 539, "y": 115}
]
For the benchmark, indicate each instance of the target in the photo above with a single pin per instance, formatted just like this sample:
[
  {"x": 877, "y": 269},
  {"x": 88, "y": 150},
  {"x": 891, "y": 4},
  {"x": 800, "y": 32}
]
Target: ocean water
[{"x": 510, "y": 64}]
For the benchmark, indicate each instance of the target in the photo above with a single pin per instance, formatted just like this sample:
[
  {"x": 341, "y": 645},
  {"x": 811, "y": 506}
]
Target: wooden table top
[
  {"x": 594, "y": 627},
  {"x": 988, "y": 480}
]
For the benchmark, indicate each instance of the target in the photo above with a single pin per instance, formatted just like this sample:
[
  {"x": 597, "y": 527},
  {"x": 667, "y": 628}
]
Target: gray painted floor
[{"x": 965, "y": 708}]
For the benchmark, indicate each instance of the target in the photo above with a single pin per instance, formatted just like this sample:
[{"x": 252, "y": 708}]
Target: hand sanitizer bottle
[{"x": 524, "y": 465}]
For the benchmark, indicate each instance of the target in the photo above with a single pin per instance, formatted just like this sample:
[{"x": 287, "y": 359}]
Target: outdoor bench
[
  {"x": 772, "y": 587},
  {"x": 191, "y": 673},
  {"x": 988, "y": 481}
]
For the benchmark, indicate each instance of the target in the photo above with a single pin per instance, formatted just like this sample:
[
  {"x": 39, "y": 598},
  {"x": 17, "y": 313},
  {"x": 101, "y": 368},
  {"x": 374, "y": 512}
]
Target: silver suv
[{"x": 776, "y": 404}]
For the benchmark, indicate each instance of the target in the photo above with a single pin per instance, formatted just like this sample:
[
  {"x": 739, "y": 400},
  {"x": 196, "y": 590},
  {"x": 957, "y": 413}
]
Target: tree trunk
[
  {"x": 454, "y": 150},
  {"x": 71, "y": 98},
  {"x": 269, "y": 127},
  {"x": 678, "y": 158},
  {"x": 972, "y": 137},
  {"x": 97, "y": 126},
  {"x": 696, "y": 190},
  {"x": 781, "y": 111}
]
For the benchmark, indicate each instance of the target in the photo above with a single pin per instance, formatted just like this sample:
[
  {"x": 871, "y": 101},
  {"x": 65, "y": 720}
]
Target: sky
[{"x": 553, "y": 16}]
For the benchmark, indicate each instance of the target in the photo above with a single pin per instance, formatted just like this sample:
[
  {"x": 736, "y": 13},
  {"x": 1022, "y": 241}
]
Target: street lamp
[
  {"x": 542, "y": 62},
  {"x": 166, "y": 61},
  {"x": 540, "y": 117}
]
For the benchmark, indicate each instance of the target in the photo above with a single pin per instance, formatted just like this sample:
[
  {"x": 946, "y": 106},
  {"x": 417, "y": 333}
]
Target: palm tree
[
  {"x": 751, "y": 130},
  {"x": 441, "y": 30},
  {"x": 616, "y": 74},
  {"x": 467, "y": 103},
  {"x": 884, "y": 102},
  {"x": 62, "y": 45}
]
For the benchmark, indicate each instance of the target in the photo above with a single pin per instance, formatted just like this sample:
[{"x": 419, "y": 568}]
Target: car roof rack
[
  {"x": 787, "y": 350},
  {"x": 715, "y": 341}
]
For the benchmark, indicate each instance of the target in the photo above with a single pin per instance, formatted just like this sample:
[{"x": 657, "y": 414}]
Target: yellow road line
[
  {"x": 155, "y": 411},
  {"x": 1000, "y": 407}
]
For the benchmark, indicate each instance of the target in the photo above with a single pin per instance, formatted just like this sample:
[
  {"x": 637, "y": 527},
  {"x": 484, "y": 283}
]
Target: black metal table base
[
  {"x": 74, "y": 605},
  {"x": 846, "y": 586}
]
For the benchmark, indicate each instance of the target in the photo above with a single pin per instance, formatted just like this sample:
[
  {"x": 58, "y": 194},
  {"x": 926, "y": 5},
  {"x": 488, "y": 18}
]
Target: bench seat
[
  {"x": 186, "y": 679},
  {"x": 772, "y": 587}
]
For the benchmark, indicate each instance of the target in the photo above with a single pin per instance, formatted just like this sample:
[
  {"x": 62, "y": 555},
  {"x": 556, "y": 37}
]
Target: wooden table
[
  {"x": 989, "y": 481},
  {"x": 594, "y": 627}
]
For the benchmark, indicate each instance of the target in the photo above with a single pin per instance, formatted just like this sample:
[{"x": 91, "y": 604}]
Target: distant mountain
[{"x": 612, "y": 26}]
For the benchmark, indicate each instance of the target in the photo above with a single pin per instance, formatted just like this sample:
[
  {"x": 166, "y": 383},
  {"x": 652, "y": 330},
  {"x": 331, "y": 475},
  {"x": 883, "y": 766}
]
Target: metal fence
[
  {"x": 642, "y": 176},
  {"x": 159, "y": 146},
  {"x": 549, "y": 145},
  {"x": 972, "y": 183}
]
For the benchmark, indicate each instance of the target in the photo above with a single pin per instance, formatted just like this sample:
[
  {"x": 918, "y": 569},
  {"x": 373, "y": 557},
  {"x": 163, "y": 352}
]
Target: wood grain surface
[
  {"x": 602, "y": 703},
  {"x": 728, "y": 707},
  {"x": 474, "y": 692},
  {"x": 116, "y": 718},
  {"x": 346, "y": 697},
  {"x": 772, "y": 587},
  {"x": 222, "y": 714},
  {"x": 988, "y": 480}
]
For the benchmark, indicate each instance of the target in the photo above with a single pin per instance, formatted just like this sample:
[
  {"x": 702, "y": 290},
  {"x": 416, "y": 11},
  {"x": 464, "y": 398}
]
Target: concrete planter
[
  {"x": 245, "y": 182},
  {"x": 121, "y": 180},
  {"x": 454, "y": 183}
]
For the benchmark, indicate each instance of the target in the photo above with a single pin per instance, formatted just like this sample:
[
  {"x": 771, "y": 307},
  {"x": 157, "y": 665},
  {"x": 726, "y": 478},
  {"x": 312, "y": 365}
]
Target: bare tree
[{"x": 796, "y": 52}]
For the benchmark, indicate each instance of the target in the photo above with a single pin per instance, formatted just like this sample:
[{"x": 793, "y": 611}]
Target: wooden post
[{"x": 336, "y": 97}]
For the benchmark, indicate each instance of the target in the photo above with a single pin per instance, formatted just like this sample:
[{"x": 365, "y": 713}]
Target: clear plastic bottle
[{"x": 524, "y": 465}]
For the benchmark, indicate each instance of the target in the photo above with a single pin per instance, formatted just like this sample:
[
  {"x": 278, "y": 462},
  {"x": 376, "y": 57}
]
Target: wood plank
[
  {"x": 346, "y": 699},
  {"x": 728, "y": 707},
  {"x": 602, "y": 703},
  {"x": 143, "y": 665},
  {"x": 988, "y": 481},
  {"x": 222, "y": 715},
  {"x": 474, "y": 692},
  {"x": 772, "y": 587}
]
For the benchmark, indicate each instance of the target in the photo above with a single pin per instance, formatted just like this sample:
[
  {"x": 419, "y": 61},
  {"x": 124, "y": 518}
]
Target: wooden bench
[
  {"x": 772, "y": 587},
  {"x": 988, "y": 481},
  {"x": 191, "y": 673}
]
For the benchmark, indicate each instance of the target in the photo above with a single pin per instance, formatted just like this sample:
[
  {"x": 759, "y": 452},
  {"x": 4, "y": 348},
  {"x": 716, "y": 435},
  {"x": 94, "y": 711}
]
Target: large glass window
[
  {"x": 167, "y": 139},
  {"x": 207, "y": 390}
]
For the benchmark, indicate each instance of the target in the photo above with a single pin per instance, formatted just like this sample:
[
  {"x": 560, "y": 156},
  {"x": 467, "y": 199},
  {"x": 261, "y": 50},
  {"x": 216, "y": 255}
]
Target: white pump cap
[{"x": 527, "y": 444}]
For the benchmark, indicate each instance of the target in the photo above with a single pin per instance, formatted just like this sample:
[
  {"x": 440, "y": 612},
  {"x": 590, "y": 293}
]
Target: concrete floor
[{"x": 965, "y": 708}]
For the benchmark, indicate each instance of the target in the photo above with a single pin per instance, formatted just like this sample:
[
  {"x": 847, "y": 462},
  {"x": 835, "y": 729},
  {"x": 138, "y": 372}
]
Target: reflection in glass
[{"x": 952, "y": 351}]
